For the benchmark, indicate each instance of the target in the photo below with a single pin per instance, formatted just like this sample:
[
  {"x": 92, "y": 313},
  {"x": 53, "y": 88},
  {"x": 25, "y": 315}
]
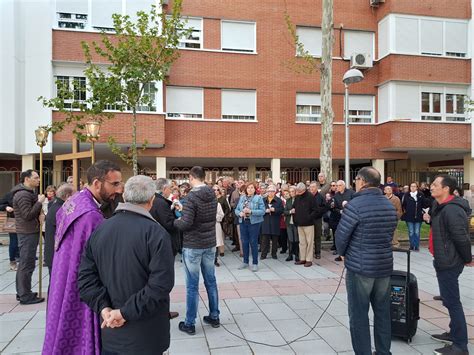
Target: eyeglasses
[
  {"x": 333, "y": 185},
  {"x": 358, "y": 178}
]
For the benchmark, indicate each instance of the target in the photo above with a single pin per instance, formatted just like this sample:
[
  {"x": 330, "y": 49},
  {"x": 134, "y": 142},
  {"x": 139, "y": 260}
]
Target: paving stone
[
  {"x": 338, "y": 338},
  {"x": 253, "y": 322},
  {"x": 9, "y": 329},
  {"x": 190, "y": 345},
  {"x": 221, "y": 338},
  {"x": 276, "y": 311},
  {"x": 28, "y": 340},
  {"x": 237, "y": 350},
  {"x": 268, "y": 337},
  {"x": 242, "y": 306},
  {"x": 311, "y": 347},
  {"x": 291, "y": 329}
]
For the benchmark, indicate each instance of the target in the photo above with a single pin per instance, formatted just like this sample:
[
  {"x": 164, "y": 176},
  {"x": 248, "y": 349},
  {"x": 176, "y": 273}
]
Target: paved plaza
[{"x": 276, "y": 305}]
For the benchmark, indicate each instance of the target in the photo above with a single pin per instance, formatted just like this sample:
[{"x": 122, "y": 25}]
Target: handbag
[{"x": 10, "y": 225}]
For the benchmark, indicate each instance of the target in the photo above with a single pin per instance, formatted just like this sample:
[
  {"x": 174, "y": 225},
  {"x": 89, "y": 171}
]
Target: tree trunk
[
  {"x": 327, "y": 114},
  {"x": 134, "y": 142}
]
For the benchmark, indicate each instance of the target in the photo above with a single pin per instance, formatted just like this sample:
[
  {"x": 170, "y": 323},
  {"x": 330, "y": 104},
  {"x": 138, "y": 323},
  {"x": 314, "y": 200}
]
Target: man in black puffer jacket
[
  {"x": 451, "y": 249},
  {"x": 364, "y": 239},
  {"x": 198, "y": 224}
]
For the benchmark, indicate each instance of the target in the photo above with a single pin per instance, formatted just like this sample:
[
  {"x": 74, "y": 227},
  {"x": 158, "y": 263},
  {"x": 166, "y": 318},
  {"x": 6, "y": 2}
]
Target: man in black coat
[
  {"x": 62, "y": 194},
  {"x": 364, "y": 238},
  {"x": 127, "y": 273},
  {"x": 451, "y": 248},
  {"x": 322, "y": 208}
]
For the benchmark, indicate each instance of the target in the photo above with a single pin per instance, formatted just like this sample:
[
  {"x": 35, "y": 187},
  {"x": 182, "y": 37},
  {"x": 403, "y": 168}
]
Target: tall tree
[
  {"x": 138, "y": 54},
  {"x": 327, "y": 113}
]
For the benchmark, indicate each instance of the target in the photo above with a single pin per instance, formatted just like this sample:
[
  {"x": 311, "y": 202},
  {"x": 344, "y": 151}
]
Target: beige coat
[{"x": 397, "y": 204}]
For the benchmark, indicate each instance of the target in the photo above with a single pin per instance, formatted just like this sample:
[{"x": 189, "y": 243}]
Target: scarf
[{"x": 413, "y": 194}]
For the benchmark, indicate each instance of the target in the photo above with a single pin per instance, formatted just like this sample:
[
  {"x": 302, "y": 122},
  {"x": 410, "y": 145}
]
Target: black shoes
[
  {"x": 318, "y": 256},
  {"x": 215, "y": 323},
  {"x": 338, "y": 259},
  {"x": 263, "y": 257},
  {"x": 274, "y": 257},
  {"x": 445, "y": 337},
  {"x": 189, "y": 329},
  {"x": 437, "y": 298},
  {"x": 333, "y": 247},
  {"x": 33, "y": 300},
  {"x": 334, "y": 252},
  {"x": 450, "y": 350},
  {"x": 289, "y": 258}
]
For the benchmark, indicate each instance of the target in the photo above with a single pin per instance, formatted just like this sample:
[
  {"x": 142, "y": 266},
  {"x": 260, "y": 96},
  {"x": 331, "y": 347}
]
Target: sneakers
[
  {"x": 13, "y": 266},
  {"x": 215, "y": 323},
  {"x": 445, "y": 337},
  {"x": 450, "y": 350},
  {"x": 188, "y": 329},
  {"x": 243, "y": 266},
  {"x": 254, "y": 267}
]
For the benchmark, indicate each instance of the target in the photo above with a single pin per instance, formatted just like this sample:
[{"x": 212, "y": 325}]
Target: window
[
  {"x": 308, "y": 107},
  {"x": 358, "y": 42},
  {"x": 455, "y": 107},
  {"x": 238, "y": 104},
  {"x": 183, "y": 102},
  {"x": 150, "y": 91},
  {"x": 431, "y": 37},
  {"x": 431, "y": 106},
  {"x": 102, "y": 14},
  {"x": 423, "y": 36},
  {"x": 361, "y": 108},
  {"x": 456, "y": 39},
  {"x": 75, "y": 21},
  {"x": 311, "y": 39},
  {"x": 72, "y": 89},
  {"x": 194, "y": 38},
  {"x": 238, "y": 36},
  {"x": 72, "y": 14}
]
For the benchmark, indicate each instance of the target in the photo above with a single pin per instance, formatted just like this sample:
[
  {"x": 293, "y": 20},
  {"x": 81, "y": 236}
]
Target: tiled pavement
[{"x": 276, "y": 305}]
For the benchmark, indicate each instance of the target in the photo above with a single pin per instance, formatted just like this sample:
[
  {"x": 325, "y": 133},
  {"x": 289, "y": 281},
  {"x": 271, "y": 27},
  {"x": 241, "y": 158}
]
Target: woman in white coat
[{"x": 219, "y": 217}]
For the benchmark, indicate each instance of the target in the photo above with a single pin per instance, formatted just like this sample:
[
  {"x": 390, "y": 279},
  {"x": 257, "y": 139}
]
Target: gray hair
[
  {"x": 65, "y": 191},
  {"x": 139, "y": 190},
  {"x": 301, "y": 186},
  {"x": 162, "y": 184},
  {"x": 341, "y": 182}
]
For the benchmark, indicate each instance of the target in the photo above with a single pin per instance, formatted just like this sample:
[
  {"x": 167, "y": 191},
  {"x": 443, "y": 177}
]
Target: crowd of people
[{"x": 110, "y": 248}]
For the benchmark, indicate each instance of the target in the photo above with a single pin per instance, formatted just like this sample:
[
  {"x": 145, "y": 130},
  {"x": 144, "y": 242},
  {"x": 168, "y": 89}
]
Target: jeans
[
  {"x": 195, "y": 260},
  {"x": 361, "y": 292},
  {"x": 249, "y": 237},
  {"x": 414, "y": 234},
  {"x": 28, "y": 245},
  {"x": 13, "y": 251},
  {"x": 449, "y": 291}
]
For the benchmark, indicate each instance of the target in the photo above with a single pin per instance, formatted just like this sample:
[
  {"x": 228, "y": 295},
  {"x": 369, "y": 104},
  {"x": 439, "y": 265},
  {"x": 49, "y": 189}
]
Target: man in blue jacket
[{"x": 364, "y": 239}]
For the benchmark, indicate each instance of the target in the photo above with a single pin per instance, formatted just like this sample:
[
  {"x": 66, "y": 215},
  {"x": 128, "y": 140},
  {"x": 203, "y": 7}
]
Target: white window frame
[
  {"x": 391, "y": 18},
  {"x": 455, "y": 116},
  {"x": 70, "y": 79},
  {"x": 81, "y": 20},
  {"x": 239, "y": 118},
  {"x": 354, "y": 117},
  {"x": 184, "y": 115},
  {"x": 183, "y": 42},
  {"x": 431, "y": 112},
  {"x": 312, "y": 117},
  {"x": 232, "y": 50}
]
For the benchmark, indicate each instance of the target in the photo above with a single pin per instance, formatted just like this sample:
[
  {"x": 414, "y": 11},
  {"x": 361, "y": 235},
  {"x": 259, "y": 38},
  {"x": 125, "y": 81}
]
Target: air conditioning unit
[{"x": 361, "y": 61}]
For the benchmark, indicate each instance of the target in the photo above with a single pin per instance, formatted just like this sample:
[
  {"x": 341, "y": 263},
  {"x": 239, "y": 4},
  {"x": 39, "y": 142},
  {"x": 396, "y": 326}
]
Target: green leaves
[{"x": 120, "y": 70}]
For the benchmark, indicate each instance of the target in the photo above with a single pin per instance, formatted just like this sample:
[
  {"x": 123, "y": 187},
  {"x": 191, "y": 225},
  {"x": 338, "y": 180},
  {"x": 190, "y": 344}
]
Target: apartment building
[{"x": 235, "y": 101}]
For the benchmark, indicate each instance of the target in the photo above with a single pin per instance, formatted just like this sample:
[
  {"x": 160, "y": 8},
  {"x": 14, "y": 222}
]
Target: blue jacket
[
  {"x": 256, "y": 205},
  {"x": 364, "y": 234}
]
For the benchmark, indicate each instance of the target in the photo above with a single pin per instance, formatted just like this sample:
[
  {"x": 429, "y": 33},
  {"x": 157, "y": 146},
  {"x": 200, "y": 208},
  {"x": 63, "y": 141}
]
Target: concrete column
[
  {"x": 379, "y": 164},
  {"x": 161, "y": 167},
  {"x": 28, "y": 162},
  {"x": 276, "y": 170},
  {"x": 57, "y": 173},
  {"x": 468, "y": 169},
  {"x": 252, "y": 171}
]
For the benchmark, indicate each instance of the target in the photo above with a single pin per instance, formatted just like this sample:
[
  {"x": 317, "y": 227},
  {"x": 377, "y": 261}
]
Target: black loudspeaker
[{"x": 404, "y": 302}]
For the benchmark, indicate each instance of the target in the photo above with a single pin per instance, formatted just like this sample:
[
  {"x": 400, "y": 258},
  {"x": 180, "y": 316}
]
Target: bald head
[{"x": 370, "y": 176}]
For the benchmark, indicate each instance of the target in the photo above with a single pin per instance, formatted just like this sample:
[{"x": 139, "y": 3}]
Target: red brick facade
[{"x": 276, "y": 135}]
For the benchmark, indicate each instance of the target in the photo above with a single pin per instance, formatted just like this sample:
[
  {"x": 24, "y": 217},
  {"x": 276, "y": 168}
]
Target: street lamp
[
  {"x": 351, "y": 76},
  {"x": 92, "y": 129},
  {"x": 41, "y": 139}
]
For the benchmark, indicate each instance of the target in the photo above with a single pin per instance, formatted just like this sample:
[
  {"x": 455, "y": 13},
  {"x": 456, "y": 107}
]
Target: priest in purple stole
[{"x": 71, "y": 327}]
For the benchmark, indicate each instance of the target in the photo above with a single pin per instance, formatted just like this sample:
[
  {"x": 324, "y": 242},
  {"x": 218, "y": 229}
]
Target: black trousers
[{"x": 265, "y": 244}]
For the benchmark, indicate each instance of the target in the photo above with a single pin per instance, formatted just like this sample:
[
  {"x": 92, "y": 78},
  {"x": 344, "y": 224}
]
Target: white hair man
[{"x": 127, "y": 273}]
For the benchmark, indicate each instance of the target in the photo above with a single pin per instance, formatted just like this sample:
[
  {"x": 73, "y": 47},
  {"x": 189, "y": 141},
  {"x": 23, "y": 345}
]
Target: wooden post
[{"x": 75, "y": 156}]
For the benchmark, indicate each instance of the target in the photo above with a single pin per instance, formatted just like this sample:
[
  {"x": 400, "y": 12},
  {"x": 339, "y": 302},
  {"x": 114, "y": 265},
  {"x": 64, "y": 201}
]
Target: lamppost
[
  {"x": 351, "y": 76},
  {"x": 92, "y": 129},
  {"x": 41, "y": 139}
]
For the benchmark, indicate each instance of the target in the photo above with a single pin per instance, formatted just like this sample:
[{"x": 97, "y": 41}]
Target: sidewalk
[{"x": 279, "y": 303}]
